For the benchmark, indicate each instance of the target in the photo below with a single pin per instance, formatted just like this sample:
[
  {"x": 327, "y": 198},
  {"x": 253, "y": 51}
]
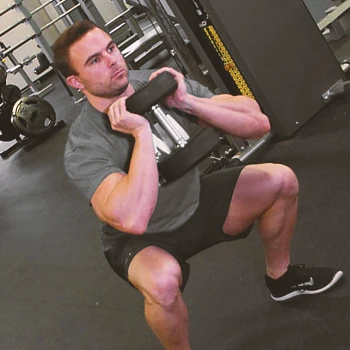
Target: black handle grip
[{"x": 154, "y": 92}]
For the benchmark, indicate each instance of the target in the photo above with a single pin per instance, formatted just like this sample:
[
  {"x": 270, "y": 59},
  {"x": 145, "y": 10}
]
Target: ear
[{"x": 74, "y": 82}]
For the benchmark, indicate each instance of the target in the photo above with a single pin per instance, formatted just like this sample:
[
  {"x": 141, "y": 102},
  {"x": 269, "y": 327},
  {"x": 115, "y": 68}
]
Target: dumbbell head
[
  {"x": 154, "y": 92},
  {"x": 181, "y": 160}
]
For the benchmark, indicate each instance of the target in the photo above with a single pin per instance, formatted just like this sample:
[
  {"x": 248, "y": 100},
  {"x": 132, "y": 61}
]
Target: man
[{"x": 150, "y": 230}]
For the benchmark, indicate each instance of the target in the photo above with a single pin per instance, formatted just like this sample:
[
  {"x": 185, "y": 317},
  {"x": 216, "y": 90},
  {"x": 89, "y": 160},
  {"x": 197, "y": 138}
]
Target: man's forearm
[
  {"x": 236, "y": 115},
  {"x": 133, "y": 199}
]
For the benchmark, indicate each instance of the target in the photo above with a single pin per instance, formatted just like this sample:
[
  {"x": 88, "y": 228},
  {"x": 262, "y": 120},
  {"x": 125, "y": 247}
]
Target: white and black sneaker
[{"x": 301, "y": 280}]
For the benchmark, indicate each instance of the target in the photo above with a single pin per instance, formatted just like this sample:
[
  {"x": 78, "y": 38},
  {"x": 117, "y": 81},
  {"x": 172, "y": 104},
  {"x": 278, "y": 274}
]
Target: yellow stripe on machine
[{"x": 228, "y": 62}]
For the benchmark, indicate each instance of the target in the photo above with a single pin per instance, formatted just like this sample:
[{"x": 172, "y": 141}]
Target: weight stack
[{"x": 270, "y": 50}]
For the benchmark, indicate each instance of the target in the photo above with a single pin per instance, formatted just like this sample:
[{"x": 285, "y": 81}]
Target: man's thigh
[
  {"x": 201, "y": 231},
  {"x": 206, "y": 225},
  {"x": 257, "y": 188},
  {"x": 123, "y": 253}
]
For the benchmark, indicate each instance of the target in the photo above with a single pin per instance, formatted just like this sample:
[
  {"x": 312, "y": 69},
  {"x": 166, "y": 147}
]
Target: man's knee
[
  {"x": 287, "y": 180},
  {"x": 278, "y": 178},
  {"x": 163, "y": 284}
]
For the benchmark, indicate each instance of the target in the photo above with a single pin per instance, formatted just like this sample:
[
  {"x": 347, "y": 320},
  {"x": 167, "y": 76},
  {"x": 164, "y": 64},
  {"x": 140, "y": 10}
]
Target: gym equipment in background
[
  {"x": 289, "y": 69},
  {"x": 28, "y": 116},
  {"x": 7, "y": 52},
  {"x": 3, "y": 74},
  {"x": 32, "y": 116}
]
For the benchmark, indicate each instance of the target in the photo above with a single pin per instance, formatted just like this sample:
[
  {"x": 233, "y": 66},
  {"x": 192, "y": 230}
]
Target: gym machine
[
  {"x": 177, "y": 44},
  {"x": 125, "y": 14},
  {"x": 144, "y": 44},
  {"x": 29, "y": 120},
  {"x": 132, "y": 40},
  {"x": 119, "y": 30},
  {"x": 332, "y": 25},
  {"x": 256, "y": 49},
  {"x": 18, "y": 67},
  {"x": 63, "y": 14},
  {"x": 7, "y": 52}
]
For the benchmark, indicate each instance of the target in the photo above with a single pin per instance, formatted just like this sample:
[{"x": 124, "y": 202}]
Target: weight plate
[
  {"x": 10, "y": 94},
  {"x": 154, "y": 92},
  {"x": 7, "y": 130},
  {"x": 33, "y": 116}
]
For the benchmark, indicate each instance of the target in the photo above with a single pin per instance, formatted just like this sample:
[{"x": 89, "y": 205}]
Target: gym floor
[{"x": 57, "y": 291}]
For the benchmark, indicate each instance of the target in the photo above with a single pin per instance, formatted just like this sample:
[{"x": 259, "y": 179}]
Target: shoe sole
[{"x": 296, "y": 293}]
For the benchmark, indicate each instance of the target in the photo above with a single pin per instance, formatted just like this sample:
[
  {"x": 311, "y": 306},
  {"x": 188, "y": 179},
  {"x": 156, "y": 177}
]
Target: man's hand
[
  {"x": 124, "y": 121},
  {"x": 178, "y": 98},
  {"x": 126, "y": 201},
  {"x": 239, "y": 116}
]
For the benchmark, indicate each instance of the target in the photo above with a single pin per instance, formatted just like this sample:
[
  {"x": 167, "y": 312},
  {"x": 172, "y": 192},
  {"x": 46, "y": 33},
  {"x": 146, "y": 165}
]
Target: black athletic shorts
[{"x": 201, "y": 231}]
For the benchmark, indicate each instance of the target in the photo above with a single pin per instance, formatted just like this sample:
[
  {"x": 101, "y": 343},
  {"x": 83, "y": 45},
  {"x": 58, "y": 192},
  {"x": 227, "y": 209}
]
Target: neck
[{"x": 102, "y": 104}]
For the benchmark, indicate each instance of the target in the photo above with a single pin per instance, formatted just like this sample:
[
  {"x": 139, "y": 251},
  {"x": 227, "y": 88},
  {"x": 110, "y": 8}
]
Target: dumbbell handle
[
  {"x": 168, "y": 127},
  {"x": 148, "y": 98}
]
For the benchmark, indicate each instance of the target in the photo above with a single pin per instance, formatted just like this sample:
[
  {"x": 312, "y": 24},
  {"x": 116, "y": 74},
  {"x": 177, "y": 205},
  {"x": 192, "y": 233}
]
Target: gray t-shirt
[{"x": 94, "y": 151}]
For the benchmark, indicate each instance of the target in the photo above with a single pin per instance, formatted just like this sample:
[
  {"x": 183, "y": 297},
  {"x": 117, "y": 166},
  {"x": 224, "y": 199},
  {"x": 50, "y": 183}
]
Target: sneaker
[{"x": 299, "y": 280}]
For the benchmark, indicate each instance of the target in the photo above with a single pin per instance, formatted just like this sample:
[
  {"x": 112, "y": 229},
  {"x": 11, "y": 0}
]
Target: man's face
[{"x": 101, "y": 69}]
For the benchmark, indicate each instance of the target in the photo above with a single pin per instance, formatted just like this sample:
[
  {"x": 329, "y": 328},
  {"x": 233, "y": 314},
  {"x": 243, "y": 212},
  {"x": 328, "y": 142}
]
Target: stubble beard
[{"x": 114, "y": 90}]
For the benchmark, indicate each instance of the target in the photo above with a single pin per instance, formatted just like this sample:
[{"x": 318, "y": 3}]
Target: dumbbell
[{"x": 187, "y": 153}]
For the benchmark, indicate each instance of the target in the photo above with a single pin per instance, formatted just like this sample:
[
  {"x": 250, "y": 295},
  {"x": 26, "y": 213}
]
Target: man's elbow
[
  {"x": 135, "y": 226},
  {"x": 262, "y": 126},
  {"x": 265, "y": 125},
  {"x": 128, "y": 221},
  {"x": 262, "y": 122}
]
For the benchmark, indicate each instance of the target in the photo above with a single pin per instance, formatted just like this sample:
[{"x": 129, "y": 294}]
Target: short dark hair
[{"x": 64, "y": 42}]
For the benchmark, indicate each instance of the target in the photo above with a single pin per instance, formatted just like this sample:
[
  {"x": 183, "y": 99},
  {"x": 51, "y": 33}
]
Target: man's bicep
[{"x": 100, "y": 196}]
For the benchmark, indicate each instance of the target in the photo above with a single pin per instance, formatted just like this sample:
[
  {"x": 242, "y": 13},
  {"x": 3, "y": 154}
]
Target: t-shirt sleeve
[
  {"x": 89, "y": 159},
  {"x": 87, "y": 165}
]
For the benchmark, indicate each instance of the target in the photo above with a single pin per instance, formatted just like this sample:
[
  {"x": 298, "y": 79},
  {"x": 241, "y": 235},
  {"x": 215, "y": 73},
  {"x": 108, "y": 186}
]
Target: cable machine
[{"x": 270, "y": 51}]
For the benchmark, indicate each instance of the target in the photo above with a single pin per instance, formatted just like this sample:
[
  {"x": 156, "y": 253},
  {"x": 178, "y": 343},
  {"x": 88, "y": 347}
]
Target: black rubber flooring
[{"x": 57, "y": 291}]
